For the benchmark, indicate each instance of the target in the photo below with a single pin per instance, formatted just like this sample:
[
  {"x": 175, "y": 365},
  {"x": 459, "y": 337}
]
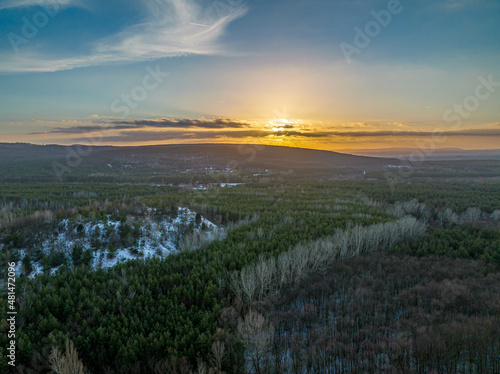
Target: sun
[{"x": 280, "y": 124}]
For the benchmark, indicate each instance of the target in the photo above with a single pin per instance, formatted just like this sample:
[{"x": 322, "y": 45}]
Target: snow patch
[{"x": 157, "y": 236}]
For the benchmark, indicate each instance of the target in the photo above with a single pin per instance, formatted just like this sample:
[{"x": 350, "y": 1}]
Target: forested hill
[
  {"x": 215, "y": 155},
  {"x": 204, "y": 163},
  {"x": 74, "y": 163}
]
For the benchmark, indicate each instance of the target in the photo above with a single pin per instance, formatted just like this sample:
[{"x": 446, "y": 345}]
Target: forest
[
  {"x": 310, "y": 276},
  {"x": 249, "y": 187}
]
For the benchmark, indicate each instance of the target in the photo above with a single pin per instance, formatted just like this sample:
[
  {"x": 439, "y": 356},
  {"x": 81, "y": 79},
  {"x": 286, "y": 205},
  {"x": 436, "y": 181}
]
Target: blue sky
[{"x": 274, "y": 66}]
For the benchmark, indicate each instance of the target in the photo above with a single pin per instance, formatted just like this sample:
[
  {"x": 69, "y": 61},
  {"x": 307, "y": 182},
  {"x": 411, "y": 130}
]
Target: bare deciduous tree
[
  {"x": 67, "y": 363},
  {"x": 496, "y": 215},
  {"x": 471, "y": 215},
  {"x": 447, "y": 217},
  {"x": 263, "y": 279},
  {"x": 256, "y": 333},
  {"x": 218, "y": 351}
]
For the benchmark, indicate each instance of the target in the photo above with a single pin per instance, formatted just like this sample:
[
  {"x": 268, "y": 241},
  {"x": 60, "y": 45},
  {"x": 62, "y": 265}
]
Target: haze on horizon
[{"x": 335, "y": 75}]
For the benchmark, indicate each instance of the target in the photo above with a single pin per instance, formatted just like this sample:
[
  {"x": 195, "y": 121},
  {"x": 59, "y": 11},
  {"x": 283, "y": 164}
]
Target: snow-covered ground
[
  {"x": 222, "y": 185},
  {"x": 158, "y": 237}
]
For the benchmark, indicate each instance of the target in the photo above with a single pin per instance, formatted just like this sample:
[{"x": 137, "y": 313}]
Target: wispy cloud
[
  {"x": 169, "y": 28},
  {"x": 166, "y": 128},
  {"x": 417, "y": 133},
  {"x": 158, "y": 136},
  {"x": 455, "y": 5},
  {"x": 215, "y": 123},
  {"x": 165, "y": 123},
  {"x": 149, "y": 135},
  {"x": 139, "y": 136},
  {"x": 6, "y": 4}
]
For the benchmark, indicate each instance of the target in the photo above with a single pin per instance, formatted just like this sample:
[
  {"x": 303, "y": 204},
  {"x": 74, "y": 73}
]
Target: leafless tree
[
  {"x": 256, "y": 334},
  {"x": 471, "y": 215},
  {"x": 264, "y": 272},
  {"x": 447, "y": 217},
  {"x": 245, "y": 284},
  {"x": 263, "y": 279},
  {"x": 496, "y": 215},
  {"x": 67, "y": 363},
  {"x": 218, "y": 351}
]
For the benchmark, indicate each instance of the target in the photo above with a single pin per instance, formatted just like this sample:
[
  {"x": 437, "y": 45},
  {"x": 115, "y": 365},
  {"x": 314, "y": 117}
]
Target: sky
[{"x": 328, "y": 74}]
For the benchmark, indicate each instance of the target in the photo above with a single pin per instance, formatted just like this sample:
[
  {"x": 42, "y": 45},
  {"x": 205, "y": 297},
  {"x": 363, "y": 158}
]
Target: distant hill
[
  {"x": 178, "y": 159},
  {"x": 437, "y": 154},
  {"x": 247, "y": 156},
  {"x": 198, "y": 163}
]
